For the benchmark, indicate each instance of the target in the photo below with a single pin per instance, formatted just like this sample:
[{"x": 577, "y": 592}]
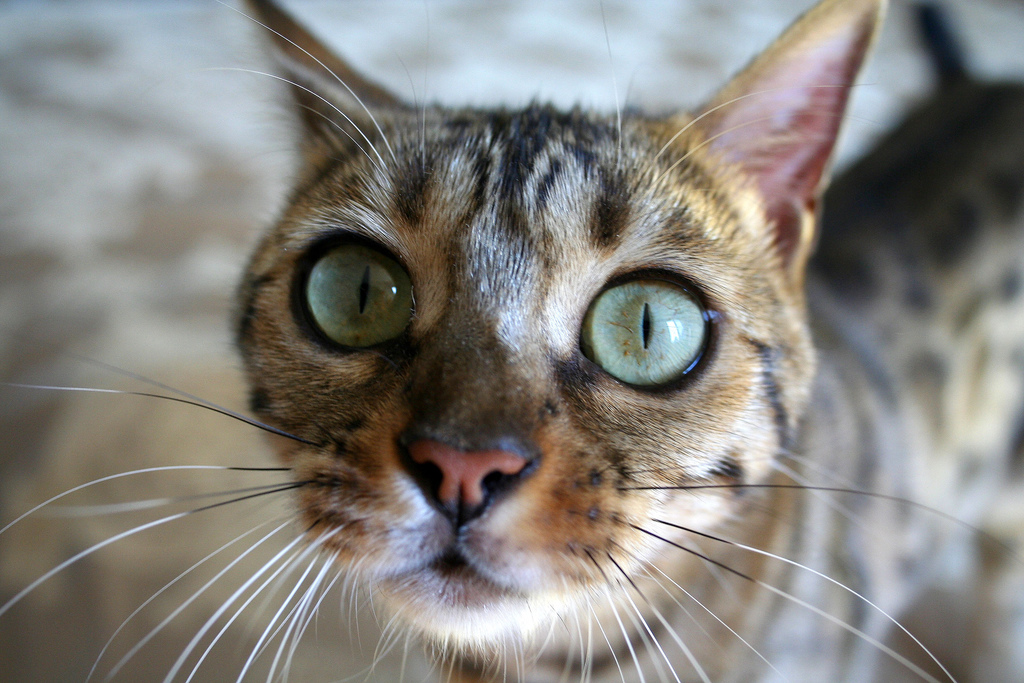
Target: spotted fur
[{"x": 510, "y": 222}]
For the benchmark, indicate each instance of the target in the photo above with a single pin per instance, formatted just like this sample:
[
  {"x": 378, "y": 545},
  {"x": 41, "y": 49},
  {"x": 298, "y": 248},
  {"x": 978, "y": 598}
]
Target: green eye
[
  {"x": 645, "y": 332},
  {"x": 359, "y": 297}
]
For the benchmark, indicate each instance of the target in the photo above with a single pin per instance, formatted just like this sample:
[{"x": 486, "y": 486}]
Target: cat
[{"x": 574, "y": 486}]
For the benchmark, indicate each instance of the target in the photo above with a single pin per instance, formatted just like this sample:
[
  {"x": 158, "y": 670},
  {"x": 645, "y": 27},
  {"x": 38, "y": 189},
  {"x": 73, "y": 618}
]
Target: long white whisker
[
  {"x": 893, "y": 620},
  {"x": 727, "y": 103},
  {"x": 607, "y": 640},
  {"x": 151, "y": 503},
  {"x": 335, "y": 77},
  {"x": 273, "y": 627},
  {"x": 112, "y": 477},
  {"x": 180, "y": 608},
  {"x": 859, "y": 633},
  {"x": 291, "y": 562},
  {"x": 99, "y": 546},
  {"x": 703, "y": 144},
  {"x": 625, "y": 636},
  {"x": 715, "y": 616},
  {"x": 166, "y": 587},
  {"x": 426, "y": 91},
  {"x": 180, "y": 662},
  {"x": 294, "y": 615},
  {"x": 190, "y": 399},
  {"x": 309, "y": 612},
  {"x": 615, "y": 87},
  {"x": 848, "y": 627},
  {"x": 379, "y": 166},
  {"x": 647, "y": 628}
]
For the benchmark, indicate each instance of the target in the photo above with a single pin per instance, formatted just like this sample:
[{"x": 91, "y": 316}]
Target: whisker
[
  {"x": 728, "y": 103},
  {"x": 180, "y": 662},
  {"x": 188, "y": 601},
  {"x": 615, "y": 87},
  {"x": 335, "y": 77},
  {"x": 308, "y": 613},
  {"x": 713, "y": 615},
  {"x": 672, "y": 632},
  {"x": 426, "y": 83},
  {"x": 135, "y": 506},
  {"x": 165, "y": 588},
  {"x": 705, "y": 143},
  {"x": 131, "y": 532},
  {"x": 848, "y": 627},
  {"x": 188, "y": 400},
  {"x": 268, "y": 636},
  {"x": 130, "y": 473},
  {"x": 625, "y": 636},
  {"x": 604, "y": 634},
  {"x": 292, "y": 562},
  {"x": 296, "y": 610},
  {"x": 379, "y": 166},
  {"x": 1009, "y": 550}
]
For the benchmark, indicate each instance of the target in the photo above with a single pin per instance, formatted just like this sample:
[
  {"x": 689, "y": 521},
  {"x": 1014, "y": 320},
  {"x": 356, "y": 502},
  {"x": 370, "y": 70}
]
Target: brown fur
[{"x": 509, "y": 224}]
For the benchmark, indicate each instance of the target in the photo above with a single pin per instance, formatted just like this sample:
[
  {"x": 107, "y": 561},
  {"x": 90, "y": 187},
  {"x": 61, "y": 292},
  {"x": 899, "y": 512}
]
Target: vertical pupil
[
  {"x": 646, "y": 325},
  {"x": 364, "y": 289}
]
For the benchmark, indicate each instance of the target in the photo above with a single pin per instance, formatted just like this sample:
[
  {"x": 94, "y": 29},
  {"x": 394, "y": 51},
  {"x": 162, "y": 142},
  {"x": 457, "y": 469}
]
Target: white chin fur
[{"x": 467, "y": 613}]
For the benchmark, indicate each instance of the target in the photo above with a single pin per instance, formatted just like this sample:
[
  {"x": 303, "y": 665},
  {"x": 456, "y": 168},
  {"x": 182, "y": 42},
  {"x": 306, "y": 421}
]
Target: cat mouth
[
  {"x": 450, "y": 580},
  {"x": 461, "y": 582},
  {"x": 450, "y": 597}
]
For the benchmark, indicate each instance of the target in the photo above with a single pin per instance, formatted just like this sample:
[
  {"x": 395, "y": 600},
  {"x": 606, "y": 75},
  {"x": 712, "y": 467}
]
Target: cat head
[{"x": 510, "y": 339}]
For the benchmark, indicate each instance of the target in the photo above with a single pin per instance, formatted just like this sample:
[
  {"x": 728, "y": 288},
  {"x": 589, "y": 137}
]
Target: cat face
[{"x": 509, "y": 340}]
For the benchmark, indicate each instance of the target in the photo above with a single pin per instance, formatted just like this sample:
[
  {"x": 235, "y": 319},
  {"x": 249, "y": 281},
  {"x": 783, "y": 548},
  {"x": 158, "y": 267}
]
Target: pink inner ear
[{"x": 779, "y": 119}]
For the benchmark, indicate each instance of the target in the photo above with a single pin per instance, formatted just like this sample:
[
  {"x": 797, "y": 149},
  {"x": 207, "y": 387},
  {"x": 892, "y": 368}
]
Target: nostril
[
  {"x": 494, "y": 482},
  {"x": 463, "y": 480},
  {"x": 428, "y": 475}
]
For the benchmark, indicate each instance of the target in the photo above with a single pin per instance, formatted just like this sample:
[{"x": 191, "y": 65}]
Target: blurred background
[{"x": 139, "y": 158}]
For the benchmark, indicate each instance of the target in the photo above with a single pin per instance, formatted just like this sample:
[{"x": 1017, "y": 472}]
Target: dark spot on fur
[
  {"x": 576, "y": 377},
  {"x": 409, "y": 191},
  {"x": 611, "y": 210},
  {"x": 849, "y": 274},
  {"x": 544, "y": 187},
  {"x": 526, "y": 135},
  {"x": 248, "y": 315},
  {"x": 593, "y": 514},
  {"x": 584, "y": 157},
  {"x": 550, "y": 407},
  {"x": 340, "y": 444},
  {"x": 772, "y": 392},
  {"x": 729, "y": 468},
  {"x": 1017, "y": 454},
  {"x": 354, "y": 424},
  {"x": 259, "y": 402},
  {"x": 482, "y": 176},
  {"x": 595, "y": 478}
]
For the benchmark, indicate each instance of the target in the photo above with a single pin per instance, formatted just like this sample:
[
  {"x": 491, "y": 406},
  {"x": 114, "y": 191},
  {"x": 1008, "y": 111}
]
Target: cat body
[{"x": 509, "y": 486}]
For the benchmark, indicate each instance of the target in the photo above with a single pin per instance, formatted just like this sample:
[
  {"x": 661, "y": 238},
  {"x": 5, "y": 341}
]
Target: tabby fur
[{"x": 757, "y": 519}]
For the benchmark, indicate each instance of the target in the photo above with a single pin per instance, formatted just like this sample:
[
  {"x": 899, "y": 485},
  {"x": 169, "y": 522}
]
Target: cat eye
[
  {"x": 358, "y": 296},
  {"x": 645, "y": 332}
]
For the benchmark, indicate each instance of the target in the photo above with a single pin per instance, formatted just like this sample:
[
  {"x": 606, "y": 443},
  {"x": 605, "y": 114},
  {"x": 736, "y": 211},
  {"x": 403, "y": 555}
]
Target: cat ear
[
  {"x": 334, "y": 101},
  {"x": 779, "y": 118}
]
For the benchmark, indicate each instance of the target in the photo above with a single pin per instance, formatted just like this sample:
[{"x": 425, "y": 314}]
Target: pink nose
[{"x": 463, "y": 472}]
